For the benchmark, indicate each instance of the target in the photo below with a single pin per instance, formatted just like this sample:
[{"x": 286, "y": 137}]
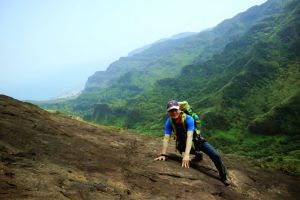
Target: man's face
[{"x": 174, "y": 113}]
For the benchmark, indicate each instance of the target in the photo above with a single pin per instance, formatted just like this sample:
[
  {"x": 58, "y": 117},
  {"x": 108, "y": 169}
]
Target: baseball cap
[{"x": 172, "y": 105}]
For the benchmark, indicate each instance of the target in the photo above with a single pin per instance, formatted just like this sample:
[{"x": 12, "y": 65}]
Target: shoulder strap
[{"x": 184, "y": 120}]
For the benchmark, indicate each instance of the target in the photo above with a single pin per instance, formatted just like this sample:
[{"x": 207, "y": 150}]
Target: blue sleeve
[
  {"x": 168, "y": 127},
  {"x": 190, "y": 123}
]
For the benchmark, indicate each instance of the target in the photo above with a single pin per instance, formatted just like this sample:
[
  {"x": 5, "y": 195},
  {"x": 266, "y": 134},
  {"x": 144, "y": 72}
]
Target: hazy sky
[{"x": 50, "y": 47}]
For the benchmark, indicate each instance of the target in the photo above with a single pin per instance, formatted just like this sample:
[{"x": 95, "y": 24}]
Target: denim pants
[{"x": 214, "y": 156}]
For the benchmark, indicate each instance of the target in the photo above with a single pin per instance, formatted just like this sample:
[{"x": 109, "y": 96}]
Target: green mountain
[
  {"x": 237, "y": 78},
  {"x": 130, "y": 76},
  {"x": 242, "y": 76}
]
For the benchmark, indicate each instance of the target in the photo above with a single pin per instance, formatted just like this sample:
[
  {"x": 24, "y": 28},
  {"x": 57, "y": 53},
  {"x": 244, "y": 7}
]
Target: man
[{"x": 183, "y": 125}]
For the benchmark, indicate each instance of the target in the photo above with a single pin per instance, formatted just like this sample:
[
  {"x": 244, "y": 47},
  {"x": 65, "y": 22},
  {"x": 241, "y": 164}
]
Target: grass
[{"x": 277, "y": 152}]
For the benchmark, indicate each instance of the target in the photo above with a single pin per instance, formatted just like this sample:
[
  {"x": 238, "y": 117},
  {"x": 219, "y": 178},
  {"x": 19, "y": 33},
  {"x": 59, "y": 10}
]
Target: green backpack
[{"x": 187, "y": 109}]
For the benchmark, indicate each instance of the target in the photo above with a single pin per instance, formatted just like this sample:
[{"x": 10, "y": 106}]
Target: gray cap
[{"x": 172, "y": 105}]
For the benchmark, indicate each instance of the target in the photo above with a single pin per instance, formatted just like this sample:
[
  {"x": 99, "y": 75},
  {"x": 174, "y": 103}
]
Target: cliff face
[{"x": 50, "y": 156}]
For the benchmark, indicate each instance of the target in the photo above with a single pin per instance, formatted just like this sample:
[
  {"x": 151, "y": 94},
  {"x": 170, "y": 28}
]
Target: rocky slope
[{"x": 50, "y": 156}]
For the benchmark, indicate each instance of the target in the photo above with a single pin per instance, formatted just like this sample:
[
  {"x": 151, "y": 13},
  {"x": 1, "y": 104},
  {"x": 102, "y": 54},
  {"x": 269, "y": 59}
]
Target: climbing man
[{"x": 187, "y": 140}]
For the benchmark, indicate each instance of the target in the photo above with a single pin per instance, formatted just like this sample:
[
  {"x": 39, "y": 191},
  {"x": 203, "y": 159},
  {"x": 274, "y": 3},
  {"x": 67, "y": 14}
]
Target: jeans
[{"x": 214, "y": 156}]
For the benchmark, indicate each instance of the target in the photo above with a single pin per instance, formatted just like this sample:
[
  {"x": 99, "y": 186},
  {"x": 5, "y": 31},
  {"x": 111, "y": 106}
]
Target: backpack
[{"x": 187, "y": 109}]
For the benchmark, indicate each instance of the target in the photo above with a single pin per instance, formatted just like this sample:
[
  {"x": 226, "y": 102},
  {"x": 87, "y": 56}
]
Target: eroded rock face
[{"x": 49, "y": 156}]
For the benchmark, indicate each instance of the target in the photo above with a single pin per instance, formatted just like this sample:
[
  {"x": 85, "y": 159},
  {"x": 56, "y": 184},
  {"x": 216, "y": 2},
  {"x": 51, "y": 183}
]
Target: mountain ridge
[
  {"x": 174, "y": 37},
  {"x": 203, "y": 39}
]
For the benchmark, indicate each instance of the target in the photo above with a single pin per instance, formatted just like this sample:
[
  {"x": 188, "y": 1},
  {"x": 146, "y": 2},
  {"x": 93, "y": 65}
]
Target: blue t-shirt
[{"x": 189, "y": 122}]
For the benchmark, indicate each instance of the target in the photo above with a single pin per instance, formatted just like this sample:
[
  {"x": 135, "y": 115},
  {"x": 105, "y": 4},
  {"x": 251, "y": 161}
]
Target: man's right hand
[{"x": 163, "y": 158}]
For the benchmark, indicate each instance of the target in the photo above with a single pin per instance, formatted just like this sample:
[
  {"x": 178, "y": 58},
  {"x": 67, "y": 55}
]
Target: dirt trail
[{"x": 47, "y": 156}]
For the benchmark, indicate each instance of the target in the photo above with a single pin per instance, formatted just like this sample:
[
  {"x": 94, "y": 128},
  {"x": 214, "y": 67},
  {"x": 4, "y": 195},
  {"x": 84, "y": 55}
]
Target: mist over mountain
[{"x": 174, "y": 37}]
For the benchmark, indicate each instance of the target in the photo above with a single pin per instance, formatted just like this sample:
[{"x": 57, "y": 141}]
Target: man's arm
[
  {"x": 165, "y": 144},
  {"x": 164, "y": 148},
  {"x": 189, "y": 142}
]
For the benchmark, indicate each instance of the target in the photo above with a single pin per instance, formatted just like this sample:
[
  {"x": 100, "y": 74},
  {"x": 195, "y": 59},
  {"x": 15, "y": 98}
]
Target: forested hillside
[{"x": 130, "y": 76}]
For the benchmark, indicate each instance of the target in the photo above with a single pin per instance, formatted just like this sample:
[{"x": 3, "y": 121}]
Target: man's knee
[{"x": 215, "y": 157}]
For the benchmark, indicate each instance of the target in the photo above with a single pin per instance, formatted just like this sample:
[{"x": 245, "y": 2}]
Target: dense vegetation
[{"x": 242, "y": 76}]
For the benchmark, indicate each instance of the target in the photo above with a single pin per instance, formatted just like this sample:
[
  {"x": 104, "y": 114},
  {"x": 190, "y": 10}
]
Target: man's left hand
[{"x": 186, "y": 162}]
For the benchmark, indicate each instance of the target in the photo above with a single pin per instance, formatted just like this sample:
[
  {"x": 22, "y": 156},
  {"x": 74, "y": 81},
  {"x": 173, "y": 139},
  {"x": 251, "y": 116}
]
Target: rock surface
[{"x": 50, "y": 156}]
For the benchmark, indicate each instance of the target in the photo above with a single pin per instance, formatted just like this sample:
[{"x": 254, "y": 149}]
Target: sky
[{"x": 50, "y": 47}]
